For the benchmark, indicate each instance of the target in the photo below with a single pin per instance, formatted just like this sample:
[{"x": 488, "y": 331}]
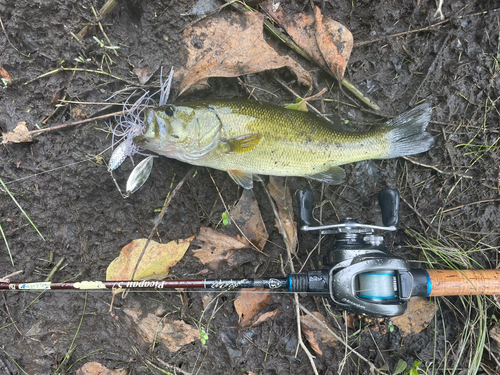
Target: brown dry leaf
[
  {"x": 249, "y": 304},
  {"x": 155, "y": 263},
  {"x": 144, "y": 74},
  {"x": 95, "y": 368},
  {"x": 246, "y": 215},
  {"x": 283, "y": 199},
  {"x": 216, "y": 247},
  {"x": 316, "y": 334},
  {"x": 326, "y": 41},
  {"x": 18, "y": 135},
  {"x": 495, "y": 335},
  {"x": 265, "y": 317},
  {"x": 218, "y": 47},
  {"x": 6, "y": 77},
  {"x": 173, "y": 335},
  {"x": 418, "y": 316},
  {"x": 349, "y": 321}
]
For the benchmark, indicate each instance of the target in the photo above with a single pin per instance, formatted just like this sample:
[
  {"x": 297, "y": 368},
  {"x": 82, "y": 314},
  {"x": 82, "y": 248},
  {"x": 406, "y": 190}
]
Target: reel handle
[
  {"x": 389, "y": 205},
  {"x": 305, "y": 199}
]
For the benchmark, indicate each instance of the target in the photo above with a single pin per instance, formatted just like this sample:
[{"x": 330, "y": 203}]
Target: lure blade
[
  {"x": 139, "y": 175},
  {"x": 118, "y": 156}
]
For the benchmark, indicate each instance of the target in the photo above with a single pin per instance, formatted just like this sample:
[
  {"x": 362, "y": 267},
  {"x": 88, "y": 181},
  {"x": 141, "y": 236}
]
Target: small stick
[
  {"x": 427, "y": 28},
  {"x": 470, "y": 204},
  {"x": 104, "y": 11},
  {"x": 106, "y": 37},
  {"x": 7, "y": 277},
  {"x": 62, "y": 126},
  {"x": 435, "y": 168},
  {"x": 54, "y": 270},
  {"x": 8, "y": 40},
  {"x": 358, "y": 94},
  {"x": 61, "y": 69},
  {"x": 10, "y": 316}
]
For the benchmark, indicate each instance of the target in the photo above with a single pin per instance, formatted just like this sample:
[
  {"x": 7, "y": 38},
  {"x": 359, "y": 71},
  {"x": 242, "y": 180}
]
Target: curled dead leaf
[
  {"x": 219, "y": 47},
  {"x": 246, "y": 215},
  {"x": 216, "y": 248},
  {"x": 20, "y": 134},
  {"x": 6, "y": 77},
  {"x": 265, "y": 317},
  {"x": 174, "y": 335},
  {"x": 155, "y": 263},
  {"x": 325, "y": 41},
  {"x": 418, "y": 316},
  {"x": 144, "y": 74},
  {"x": 317, "y": 335},
  {"x": 283, "y": 199},
  {"x": 249, "y": 305}
]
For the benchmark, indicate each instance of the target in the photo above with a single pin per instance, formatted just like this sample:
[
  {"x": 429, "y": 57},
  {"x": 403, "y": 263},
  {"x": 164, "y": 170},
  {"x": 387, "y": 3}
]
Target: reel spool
[{"x": 376, "y": 286}]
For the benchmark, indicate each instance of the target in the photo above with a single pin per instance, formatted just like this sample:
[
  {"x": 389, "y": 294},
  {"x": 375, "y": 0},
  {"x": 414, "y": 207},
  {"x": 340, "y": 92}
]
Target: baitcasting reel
[{"x": 364, "y": 278}]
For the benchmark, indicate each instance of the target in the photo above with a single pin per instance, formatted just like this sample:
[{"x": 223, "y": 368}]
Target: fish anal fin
[
  {"x": 245, "y": 180},
  {"x": 243, "y": 143},
  {"x": 334, "y": 176}
]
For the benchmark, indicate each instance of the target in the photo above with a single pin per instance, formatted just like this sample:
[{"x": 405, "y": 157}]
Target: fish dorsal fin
[
  {"x": 244, "y": 179},
  {"x": 243, "y": 143},
  {"x": 335, "y": 175}
]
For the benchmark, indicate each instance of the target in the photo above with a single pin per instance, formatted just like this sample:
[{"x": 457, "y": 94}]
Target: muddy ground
[{"x": 451, "y": 191}]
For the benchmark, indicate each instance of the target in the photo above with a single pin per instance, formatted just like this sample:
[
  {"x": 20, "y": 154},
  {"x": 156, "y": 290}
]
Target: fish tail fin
[{"x": 406, "y": 133}]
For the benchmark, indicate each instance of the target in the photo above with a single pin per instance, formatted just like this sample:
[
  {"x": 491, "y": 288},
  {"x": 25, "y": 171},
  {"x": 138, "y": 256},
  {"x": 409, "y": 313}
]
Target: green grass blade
[
  {"x": 6, "y": 244},
  {"x": 18, "y": 205}
]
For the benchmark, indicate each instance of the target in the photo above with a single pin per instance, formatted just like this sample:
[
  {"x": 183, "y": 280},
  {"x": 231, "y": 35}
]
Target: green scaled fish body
[{"x": 245, "y": 138}]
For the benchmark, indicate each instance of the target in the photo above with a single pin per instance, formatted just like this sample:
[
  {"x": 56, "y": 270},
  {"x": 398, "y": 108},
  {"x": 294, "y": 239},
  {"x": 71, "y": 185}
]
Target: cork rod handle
[{"x": 464, "y": 282}]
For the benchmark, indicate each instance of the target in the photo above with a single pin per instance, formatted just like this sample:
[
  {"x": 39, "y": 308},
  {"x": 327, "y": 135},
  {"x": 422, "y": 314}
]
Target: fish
[{"x": 247, "y": 139}]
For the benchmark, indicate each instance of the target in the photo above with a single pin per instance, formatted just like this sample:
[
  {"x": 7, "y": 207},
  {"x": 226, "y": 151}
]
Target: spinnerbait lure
[{"x": 130, "y": 125}]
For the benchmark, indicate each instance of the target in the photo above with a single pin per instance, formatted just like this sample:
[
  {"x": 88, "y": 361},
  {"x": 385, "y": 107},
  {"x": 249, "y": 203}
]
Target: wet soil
[{"x": 450, "y": 193}]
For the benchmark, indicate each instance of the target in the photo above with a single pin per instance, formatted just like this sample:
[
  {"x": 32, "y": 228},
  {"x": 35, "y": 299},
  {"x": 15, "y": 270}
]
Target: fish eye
[{"x": 169, "y": 111}]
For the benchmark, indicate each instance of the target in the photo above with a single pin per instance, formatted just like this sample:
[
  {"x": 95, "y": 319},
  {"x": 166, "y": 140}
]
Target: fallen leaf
[
  {"x": 216, "y": 247},
  {"x": 265, "y": 317},
  {"x": 317, "y": 334},
  {"x": 173, "y": 335},
  {"x": 283, "y": 199},
  {"x": 246, "y": 215},
  {"x": 95, "y": 368},
  {"x": 349, "y": 320},
  {"x": 249, "y": 304},
  {"x": 144, "y": 74},
  {"x": 418, "y": 316},
  {"x": 156, "y": 261},
  {"x": 18, "y": 135},
  {"x": 6, "y": 77},
  {"x": 219, "y": 47},
  {"x": 495, "y": 335},
  {"x": 326, "y": 41}
]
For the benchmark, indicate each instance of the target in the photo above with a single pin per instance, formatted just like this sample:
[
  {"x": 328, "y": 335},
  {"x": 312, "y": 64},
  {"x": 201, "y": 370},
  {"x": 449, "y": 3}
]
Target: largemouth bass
[{"x": 245, "y": 138}]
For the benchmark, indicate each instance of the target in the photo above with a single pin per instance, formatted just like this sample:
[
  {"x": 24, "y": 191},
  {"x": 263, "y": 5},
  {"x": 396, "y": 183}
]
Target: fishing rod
[{"x": 364, "y": 277}]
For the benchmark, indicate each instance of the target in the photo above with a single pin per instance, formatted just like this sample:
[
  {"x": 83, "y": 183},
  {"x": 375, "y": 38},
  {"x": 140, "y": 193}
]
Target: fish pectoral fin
[
  {"x": 245, "y": 180},
  {"x": 243, "y": 143},
  {"x": 335, "y": 175}
]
